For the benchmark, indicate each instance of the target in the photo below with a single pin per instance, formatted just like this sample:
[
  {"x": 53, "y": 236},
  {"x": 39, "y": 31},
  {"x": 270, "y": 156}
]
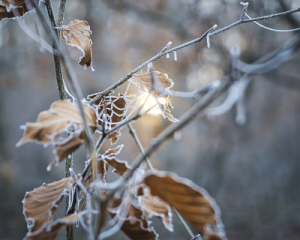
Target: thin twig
[
  {"x": 168, "y": 132},
  {"x": 161, "y": 54},
  {"x": 139, "y": 144},
  {"x": 61, "y": 13},
  {"x": 57, "y": 63}
]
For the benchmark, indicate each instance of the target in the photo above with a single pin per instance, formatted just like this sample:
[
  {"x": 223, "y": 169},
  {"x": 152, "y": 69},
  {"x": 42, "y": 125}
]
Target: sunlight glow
[{"x": 150, "y": 102}]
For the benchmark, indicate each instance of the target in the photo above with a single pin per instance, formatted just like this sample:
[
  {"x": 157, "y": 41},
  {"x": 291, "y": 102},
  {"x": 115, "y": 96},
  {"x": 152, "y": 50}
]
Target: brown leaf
[
  {"x": 41, "y": 203},
  {"x": 77, "y": 34},
  {"x": 164, "y": 81},
  {"x": 14, "y": 8},
  {"x": 114, "y": 107},
  {"x": 134, "y": 226},
  {"x": 190, "y": 200},
  {"x": 109, "y": 158},
  {"x": 56, "y": 119},
  {"x": 155, "y": 207},
  {"x": 68, "y": 146},
  {"x": 50, "y": 230}
]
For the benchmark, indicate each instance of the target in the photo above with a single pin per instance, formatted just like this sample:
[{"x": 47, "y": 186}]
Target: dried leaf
[
  {"x": 109, "y": 158},
  {"x": 134, "y": 226},
  {"x": 56, "y": 119},
  {"x": 68, "y": 146},
  {"x": 77, "y": 34},
  {"x": 41, "y": 203},
  {"x": 50, "y": 230},
  {"x": 114, "y": 107},
  {"x": 113, "y": 137},
  {"x": 191, "y": 201},
  {"x": 14, "y": 8},
  {"x": 163, "y": 83},
  {"x": 155, "y": 207}
]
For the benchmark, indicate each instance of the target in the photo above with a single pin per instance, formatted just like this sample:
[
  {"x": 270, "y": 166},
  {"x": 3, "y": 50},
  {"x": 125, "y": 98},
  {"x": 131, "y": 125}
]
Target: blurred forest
[{"x": 251, "y": 169}]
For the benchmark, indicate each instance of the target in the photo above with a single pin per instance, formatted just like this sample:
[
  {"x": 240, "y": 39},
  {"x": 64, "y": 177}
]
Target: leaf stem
[{"x": 138, "y": 143}]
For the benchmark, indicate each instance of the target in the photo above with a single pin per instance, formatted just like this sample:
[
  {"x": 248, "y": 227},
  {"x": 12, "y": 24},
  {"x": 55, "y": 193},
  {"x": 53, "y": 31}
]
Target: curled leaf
[
  {"x": 109, "y": 158},
  {"x": 57, "y": 118},
  {"x": 77, "y": 34},
  {"x": 134, "y": 226},
  {"x": 156, "y": 207},
  {"x": 158, "y": 84},
  {"x": 190, "y": 200},
  {"x": 52, "y": 125},
  {"x": 50, "y": 230},
  {"x": 114, "y": 108},
  {"x": 41, "y": 203},
  {"x": 161, "y": 83},
  {"x": 14, "y": 8}
]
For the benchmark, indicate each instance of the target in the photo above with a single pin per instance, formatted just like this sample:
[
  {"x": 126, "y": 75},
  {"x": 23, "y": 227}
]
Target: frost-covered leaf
[
  {"x": 156, "y": 207},
  {"x": 163, "y": 83},
  {"x": 77, "y": 34},
  {"x": 14, "y": 8},
  {"x": 52, "y": 125},
  {"x": 134, "y": 226},
  {"x": 50, "y": 229},
  {"x": 41, "y": 203},
  {"x": 69, "y": 145},
  {"x": 191, "y": 201},
  {"x": 57, "y": 118},
  {"x": 158, "y": 85},
  {"x": 114, "y": 107},
  {"x": 109, "y": 157}
]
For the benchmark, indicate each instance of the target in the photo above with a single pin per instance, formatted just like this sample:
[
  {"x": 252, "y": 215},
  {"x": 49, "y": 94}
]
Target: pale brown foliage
[
  {"x": 57, "y": 118},
  {"x": 109, "y": 159},
  {"x": 40, "y": 204},
  {"x": 14, "y": 8},
  {"x": 163, "y": 83},
  {"x": 155, "y": 207},
  {"x": 134, "y": 226},
  {"x": 77, "y": 34},
  {"x": 159, "y": 84},
  {"x": 114, "y": 108},
  {"x": 53, "y": 123},
  {"x": 50, "y": 230},
  {"x": 192, "y": 202}
]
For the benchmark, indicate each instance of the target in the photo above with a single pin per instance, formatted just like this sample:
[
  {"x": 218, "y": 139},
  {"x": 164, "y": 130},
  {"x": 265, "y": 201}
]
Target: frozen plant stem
[
  {"x": 162, "y": 53},
  {"x": 61, "y": 89},
  {"x": 138, "y": 143}
]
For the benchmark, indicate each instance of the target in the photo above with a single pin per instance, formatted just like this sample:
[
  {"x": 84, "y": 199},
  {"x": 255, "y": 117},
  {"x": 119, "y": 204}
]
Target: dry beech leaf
[
  {"x": 50, "y": 230},
  {"x": 77, "y": 34},
  {"x": 162, "y": 85},
  {"x": 41, "y": 203},
  {"x": 191, "y": 201},
  {"x": 156, "y": 207},
  {"x": 51, "y": 125},
  {"x": 14, "y": 8},
  {"x": 109, "y": 157},
  {"x": 115, "y": 107},
  {"x": 134, "y": 226},
  {"x": 164, "y": 82},
  {"x": 57, "y": 118}
]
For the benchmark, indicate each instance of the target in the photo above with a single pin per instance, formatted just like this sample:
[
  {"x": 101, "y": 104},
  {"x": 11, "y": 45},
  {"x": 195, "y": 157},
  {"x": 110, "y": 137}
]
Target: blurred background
[{"x": 252, "y": 170}]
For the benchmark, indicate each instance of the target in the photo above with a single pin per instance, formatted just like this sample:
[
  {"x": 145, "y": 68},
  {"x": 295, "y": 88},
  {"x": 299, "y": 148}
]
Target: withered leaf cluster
[
  {"x": 39, "y": 206},
  {"x": 111, "y": 109},
  {"x": 14, "y": 8},
  {"x": 155, "y": 196},
  {"x": 77, "y": 34},
  {"x": 61, "y": 126},
  {"x": 158, "y": 84}
]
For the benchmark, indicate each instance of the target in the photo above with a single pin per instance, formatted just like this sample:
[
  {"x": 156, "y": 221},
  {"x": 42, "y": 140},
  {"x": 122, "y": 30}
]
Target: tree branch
[{"x": 161, "y": 54}]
